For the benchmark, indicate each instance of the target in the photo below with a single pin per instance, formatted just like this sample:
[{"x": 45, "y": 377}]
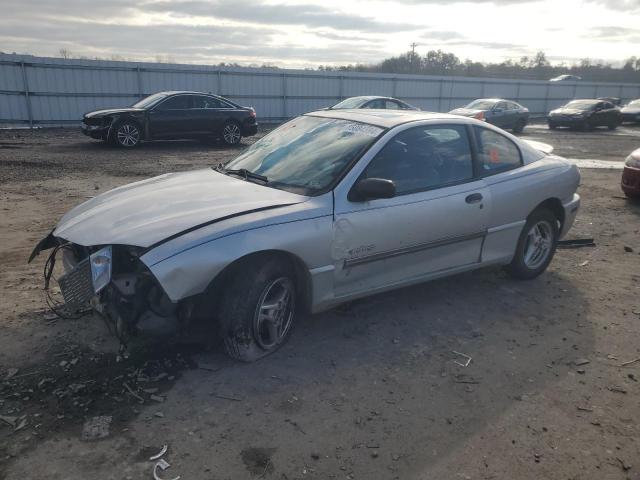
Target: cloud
[{"x": 250, "y": 11}]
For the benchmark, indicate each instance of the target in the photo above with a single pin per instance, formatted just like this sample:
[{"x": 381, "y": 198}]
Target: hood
[
  {"x": 144, "y": 213},
  {"x": 113, "y": 111},
  {"x": 466, "y": 112},
  {"x": 570, "y": 111}
]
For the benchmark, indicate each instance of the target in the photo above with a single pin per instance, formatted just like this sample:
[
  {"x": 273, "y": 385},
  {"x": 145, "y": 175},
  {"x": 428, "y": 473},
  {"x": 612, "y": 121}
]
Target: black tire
[
  {"x": 231, "y": 133},
  {"x": 244, "y": 328},
  {"x": 519, "y": 127},
  {"x": 522, "y": 267},
  {"x": 612, "y": 126},
  {"x": 126, "y": 134},
  {"x": 552, "y": 126}
]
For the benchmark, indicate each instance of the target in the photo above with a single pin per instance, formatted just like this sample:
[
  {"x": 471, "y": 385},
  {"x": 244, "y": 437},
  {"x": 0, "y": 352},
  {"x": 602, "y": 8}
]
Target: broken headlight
[{"x": 101, "y": 262}]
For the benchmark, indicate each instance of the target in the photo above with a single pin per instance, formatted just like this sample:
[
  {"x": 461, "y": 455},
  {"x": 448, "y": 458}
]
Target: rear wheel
[
  {"x": 612, "y": 125},
  {"x": 126, "y": 134},
  {"x": 536, "y": 246},
  {"x": 231, "y": 133},
  {"x": 258, "y": 308}
]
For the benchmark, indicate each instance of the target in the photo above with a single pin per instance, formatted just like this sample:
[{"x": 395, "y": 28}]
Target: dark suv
[{"x": 172, "y": 115}]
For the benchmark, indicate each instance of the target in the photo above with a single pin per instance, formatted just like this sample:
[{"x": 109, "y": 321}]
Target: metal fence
[{"x": 39, "y": 91}]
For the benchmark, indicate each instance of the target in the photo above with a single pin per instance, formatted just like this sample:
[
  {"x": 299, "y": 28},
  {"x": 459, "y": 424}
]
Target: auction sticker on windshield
[{"x": 362, "y": 129}]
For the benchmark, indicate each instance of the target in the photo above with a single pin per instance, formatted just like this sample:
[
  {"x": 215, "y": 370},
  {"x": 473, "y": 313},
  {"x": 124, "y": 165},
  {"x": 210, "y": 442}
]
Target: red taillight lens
[
  {"x": 479, "y": 116},
  {"x": 253, "y": 113}
]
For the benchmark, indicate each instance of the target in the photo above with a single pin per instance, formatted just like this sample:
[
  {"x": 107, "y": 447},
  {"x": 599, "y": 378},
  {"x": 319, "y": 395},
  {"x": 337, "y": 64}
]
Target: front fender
[{"x": 190, "y": 271}]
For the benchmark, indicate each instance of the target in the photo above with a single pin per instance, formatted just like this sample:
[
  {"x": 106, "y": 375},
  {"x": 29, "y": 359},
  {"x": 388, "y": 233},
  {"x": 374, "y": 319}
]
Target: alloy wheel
[
  {"x": 128, "y": 135},
  {"x": 231, "y": 133},
  {"x": 274, "y": 313},
  {"x": 539, "y": 244}
]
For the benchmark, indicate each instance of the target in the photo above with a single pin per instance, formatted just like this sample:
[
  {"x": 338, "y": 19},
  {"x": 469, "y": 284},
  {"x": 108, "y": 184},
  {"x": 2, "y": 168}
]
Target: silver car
[{"x": 329, "y": 207}]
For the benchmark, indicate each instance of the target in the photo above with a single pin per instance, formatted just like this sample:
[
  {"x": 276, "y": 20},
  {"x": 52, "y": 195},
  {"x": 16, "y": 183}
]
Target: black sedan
[
  {"x": 631, "y": 112},
  {"x": 585, "y": 114},
  {"x": 375, "y": 102},
  {"x": 496, "y": 111},
  {"x": 172, "y": 115}
]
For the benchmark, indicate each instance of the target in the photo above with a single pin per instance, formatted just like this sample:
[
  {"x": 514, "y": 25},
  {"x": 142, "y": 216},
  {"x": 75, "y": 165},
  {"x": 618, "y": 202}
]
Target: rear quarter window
[{"x": 496, "y": 153}]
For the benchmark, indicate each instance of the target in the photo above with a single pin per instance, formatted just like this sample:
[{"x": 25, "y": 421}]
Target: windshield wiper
[{"x": 242, "y": 172}]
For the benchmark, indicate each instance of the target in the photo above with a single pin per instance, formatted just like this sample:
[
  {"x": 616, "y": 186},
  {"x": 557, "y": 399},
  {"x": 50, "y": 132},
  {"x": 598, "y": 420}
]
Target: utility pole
[{"x": 413, "y": 55}]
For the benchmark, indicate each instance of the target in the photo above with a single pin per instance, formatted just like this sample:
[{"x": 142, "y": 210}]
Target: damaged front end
[{"x": 112, "y": 280}]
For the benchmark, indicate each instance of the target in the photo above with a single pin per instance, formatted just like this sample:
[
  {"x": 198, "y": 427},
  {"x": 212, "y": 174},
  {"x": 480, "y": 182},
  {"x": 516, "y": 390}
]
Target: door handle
[{"x": 474, "y": 198}]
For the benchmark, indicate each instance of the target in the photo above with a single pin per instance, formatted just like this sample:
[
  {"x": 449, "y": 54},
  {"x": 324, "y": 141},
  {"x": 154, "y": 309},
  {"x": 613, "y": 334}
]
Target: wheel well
[
  {"x": 126, "y": 118},
  {"x": 555, "y": 206},
  {"x": 300, "y": 270}
]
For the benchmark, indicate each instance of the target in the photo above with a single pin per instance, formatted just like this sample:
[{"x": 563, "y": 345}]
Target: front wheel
[
  {"x": 231, "y": 133},
  {"x": 536, "y": 246},
  {"x": 127, "y": 135},
  {"x": 258, "y": 308}
]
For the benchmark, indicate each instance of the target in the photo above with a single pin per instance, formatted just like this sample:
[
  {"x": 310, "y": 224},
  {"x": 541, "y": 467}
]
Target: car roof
[
  {"x": 182, "y": 92},
  {"x": 383, "y": 118}
]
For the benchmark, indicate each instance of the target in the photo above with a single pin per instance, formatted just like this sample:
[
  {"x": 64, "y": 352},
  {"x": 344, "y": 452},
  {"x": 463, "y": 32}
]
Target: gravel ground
[{"x": 369, "y": 390}]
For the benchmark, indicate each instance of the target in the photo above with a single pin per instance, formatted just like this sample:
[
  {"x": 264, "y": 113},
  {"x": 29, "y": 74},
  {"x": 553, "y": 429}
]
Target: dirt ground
[{"x": 370, "y": 390}]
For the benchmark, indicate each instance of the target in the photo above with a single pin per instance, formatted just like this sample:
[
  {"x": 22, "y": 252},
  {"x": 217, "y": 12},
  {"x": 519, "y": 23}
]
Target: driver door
[{"x": 436, "y": 222}]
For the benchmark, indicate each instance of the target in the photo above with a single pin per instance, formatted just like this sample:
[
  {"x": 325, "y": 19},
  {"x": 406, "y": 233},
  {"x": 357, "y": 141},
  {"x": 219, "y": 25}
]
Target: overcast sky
[{"x": 314, "y": 32}]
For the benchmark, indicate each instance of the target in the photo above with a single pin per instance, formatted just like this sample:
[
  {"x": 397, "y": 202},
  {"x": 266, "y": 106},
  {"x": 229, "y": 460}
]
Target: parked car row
[{"x": 178, "y": 115}]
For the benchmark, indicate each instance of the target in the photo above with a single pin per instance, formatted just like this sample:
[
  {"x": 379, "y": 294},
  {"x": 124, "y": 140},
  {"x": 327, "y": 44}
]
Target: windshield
[
  {"x": 308, "y": 153},
  {"x": 481, "y": 105},
  {"x": 149, "y": 101},
  {"x": 582, "y": 104},
  {"x": 353, "y": 102}
]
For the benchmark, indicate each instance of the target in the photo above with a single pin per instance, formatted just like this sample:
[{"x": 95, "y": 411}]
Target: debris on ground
[
  {"x": 581, "y": 361},
  {"x": 9, "y": 420},
  {"x": 162, "y": 465},
  {"x": 96, "y": 428},
  {"x": 577, "y": 243},
  {"x": 628, "y": 249},
  {"x": 630, "y": 362},
  {"x": 465, "y": 362},
  {"x": 625, "y": 466},
  {"x": 11, "y": 372},
  {"x": 158, "y": 455},
  {"x": 617, "y": 389}
]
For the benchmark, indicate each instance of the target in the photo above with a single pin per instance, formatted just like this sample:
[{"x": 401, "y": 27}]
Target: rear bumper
[
  {"x": 570, "y": 212},
  {"x": 631, "y": 181},
  {"x": 248, "y": 130}
]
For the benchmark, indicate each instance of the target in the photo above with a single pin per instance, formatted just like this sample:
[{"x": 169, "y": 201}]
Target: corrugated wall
[{"x": 54, "y": 91}]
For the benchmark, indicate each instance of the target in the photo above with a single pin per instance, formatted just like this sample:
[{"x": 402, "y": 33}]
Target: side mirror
[{"x": 372, "y": 189}]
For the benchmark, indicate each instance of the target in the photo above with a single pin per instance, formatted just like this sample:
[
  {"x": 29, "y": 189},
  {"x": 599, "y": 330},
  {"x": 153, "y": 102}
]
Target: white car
[{"x": 329, "y": 207}]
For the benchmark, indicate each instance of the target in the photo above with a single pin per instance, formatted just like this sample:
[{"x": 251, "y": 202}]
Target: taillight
[
  {"x": 253, "y": 112},
  {"x": 479, "y": 116}
]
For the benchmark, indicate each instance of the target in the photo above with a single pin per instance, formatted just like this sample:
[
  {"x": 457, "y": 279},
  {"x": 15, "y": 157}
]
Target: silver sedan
[{"x": 329, "y": 207}]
